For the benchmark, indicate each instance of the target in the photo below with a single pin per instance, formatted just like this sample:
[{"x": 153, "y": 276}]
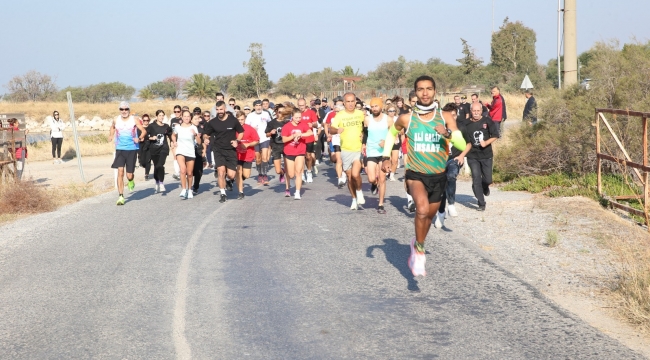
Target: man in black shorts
[
  {"x": 224, "y": 129},
  {"x": 274, "y": 132}
]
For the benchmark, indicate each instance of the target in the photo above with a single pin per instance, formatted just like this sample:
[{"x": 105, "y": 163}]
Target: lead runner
[{"x": 427, "y": 129}]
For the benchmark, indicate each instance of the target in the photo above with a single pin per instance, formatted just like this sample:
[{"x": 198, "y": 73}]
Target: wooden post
[
  {"x": 598, "y": 162},
  {"x": 646, "y": 186}
]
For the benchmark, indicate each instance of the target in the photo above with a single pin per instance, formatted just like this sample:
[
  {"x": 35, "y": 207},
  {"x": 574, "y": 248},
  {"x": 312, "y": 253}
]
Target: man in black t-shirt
[
  {"x": 274, "y": 130},
  {"x": 224, "y": 129},
  {"x": 481, "y": 132}
]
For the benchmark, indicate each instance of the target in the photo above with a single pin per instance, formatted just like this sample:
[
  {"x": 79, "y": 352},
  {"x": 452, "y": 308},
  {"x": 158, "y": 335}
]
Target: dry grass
[
  {"x": 94, "y": 145},
  {"x": 26, "y": 197}
]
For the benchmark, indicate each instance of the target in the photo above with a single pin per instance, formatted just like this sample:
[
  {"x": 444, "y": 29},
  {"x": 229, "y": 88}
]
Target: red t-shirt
[
  {"x": 309, "y": 116},
  {"x": 293, "y": 148},
  {"x": 250, "y": 135},
  {"x": 328, "y": 118}
]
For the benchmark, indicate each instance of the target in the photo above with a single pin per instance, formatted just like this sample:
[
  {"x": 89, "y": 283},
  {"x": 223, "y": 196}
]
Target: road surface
[{"x": 267, "y": 277}]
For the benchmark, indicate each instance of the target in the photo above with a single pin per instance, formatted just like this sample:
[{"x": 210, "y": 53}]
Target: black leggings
[
  {"x": 145, "y": 159},
  {"x": 56, "y": 147},
  {"x": 159, "y": 166},
  {"x": 198, "y": 171}
]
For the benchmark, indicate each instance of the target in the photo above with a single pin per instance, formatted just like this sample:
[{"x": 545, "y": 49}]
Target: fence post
[
  {"x": 598, "y": 162},
  {"x": 76, "y": 136},
  {"x": 646, "y": 186}
]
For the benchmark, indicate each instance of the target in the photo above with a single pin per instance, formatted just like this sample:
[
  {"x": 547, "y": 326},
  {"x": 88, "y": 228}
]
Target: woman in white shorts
[{"x": 184, "y": 139}]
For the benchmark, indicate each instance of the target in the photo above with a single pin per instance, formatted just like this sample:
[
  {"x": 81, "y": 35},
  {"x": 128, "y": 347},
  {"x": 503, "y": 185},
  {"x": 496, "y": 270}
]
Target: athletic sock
[
  {"x": 223, "y": 191},
  {"x": 409, "y": 197}
]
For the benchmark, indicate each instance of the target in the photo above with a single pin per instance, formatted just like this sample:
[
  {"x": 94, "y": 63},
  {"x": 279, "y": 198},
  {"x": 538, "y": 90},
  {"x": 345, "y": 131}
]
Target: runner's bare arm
[
  {"x": 143, "y": 130},
  {"x": 307, "y": 134},
  {"x": 112, "y": 133}
]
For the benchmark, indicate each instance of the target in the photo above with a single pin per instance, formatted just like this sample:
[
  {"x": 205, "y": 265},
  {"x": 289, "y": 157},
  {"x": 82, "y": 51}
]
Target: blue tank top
[{"x": 377, "y": 131}]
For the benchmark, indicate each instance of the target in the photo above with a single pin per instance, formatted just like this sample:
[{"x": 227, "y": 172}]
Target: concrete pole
[
  {"x": 559, "y": 43},
  {"x": 570, "y": 44}
]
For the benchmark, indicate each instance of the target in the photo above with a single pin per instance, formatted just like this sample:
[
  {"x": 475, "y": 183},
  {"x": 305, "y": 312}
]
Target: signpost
[{"x": 73, "y": 122}]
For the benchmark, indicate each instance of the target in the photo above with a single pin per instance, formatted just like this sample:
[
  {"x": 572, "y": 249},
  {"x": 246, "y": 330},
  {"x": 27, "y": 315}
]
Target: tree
[
  {"x": 242, "y": 86},
  {"x": 513, "y": 48},
  {"x": 108, "y": 92},
  {"x": 33, "y": 86},
  {"x": 388, "y": 75},
  {"x": 256, "y": 69},
  {"x": 201, "y": 86},
  {"x": 146, "y": 94},
  {"x": 348, "y": 71},
  {"x": 470, "y": 61},
  {"x": 222, "y": 82},
  {"x": 178, "y": 83},
  {"x": 288, "y": 85}
]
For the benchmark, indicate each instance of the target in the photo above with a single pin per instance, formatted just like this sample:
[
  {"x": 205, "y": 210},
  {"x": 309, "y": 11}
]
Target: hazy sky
[{"x": 141, "y": 41}]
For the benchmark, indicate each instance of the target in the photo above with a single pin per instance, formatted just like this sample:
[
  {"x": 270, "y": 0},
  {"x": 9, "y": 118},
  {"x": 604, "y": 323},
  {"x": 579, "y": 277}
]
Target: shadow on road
[{"x": 397, "y": 254}]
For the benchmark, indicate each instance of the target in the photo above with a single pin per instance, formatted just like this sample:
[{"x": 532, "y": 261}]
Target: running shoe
[
  {"x": 265, "y": 180},
  {"x": 157, "y": 188},
  {"x": 354, "y": 205},
  {"x": 486, "y": 191},
  {"x": 373, "y": 189},
  {"x": 195, "y": 192},
  {"x": 440, "y": 221},
  {"x": 317, "y": 162},
  {"x": 260, "y": 179},
  {"x": 162, "y": 187},
  {"x": 341, "y": 183},
  {"x": 146, "y": 177},
  {"x": 363, "y": 171},
  {"x": 120, "y": 200},
  {"x": 183, "y": 193},
  {"x": 417, "y": 260},
  {"x": 360, "y": 199},
  {"x": 315, "y": 168},
  {"x": 222, "y": 198},
  {"x": 228, "y": 184},
  {"x": 392, "y": 177},
  {"x": 131, "y": 185},
  {"x": 190, "y": 194},
  {"x": 380, "y": 209},
  {"x": 304, "y": 177},
  {"x": 296, "y": 196},
  {"x": 287, "y": 193},
  {"x": 481, "y": 208},
  {"x": 452, "y": 210},
  {"x": 282, "y": 177},
  {"x": 411, "y": 206},
  {"x": 240, "y": 196},
  {"x": 310, "y": 179}
]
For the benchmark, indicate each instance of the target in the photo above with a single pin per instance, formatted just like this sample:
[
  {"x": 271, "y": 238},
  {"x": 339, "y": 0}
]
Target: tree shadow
[{"x": 397, "y": 254}]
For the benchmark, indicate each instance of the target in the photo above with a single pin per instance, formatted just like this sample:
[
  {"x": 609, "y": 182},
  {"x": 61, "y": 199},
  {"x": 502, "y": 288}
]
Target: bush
[{"x": 24, "y": 197}]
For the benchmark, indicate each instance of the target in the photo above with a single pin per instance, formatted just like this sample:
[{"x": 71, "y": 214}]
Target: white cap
[{"x": 124, "y": 105}]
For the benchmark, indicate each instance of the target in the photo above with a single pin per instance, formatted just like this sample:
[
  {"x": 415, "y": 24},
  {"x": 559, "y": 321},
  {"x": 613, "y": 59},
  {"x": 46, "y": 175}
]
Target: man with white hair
[{"x": 124, "y": 129}]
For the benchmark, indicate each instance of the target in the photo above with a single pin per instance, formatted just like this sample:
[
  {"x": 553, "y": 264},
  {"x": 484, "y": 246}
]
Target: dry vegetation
[
  {"x": 633, "y": 286},
  {"x": 94, "y": 145}
]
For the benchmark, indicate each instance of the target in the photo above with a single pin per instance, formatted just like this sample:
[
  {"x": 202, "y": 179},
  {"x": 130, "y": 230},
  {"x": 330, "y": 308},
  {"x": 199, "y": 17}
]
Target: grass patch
[
  {"x": 92, "y": 145},
  {"x": 633, "y": 286},
  {"x": 552, "y": 238}
]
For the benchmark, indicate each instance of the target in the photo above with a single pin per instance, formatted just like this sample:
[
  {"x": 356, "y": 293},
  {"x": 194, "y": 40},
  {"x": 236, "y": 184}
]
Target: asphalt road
[{"x": 266, "y": 277}]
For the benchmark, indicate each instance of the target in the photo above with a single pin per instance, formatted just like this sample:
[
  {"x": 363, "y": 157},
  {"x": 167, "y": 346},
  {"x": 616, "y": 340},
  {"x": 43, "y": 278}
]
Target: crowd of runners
[{"x": 359, "y": 138}]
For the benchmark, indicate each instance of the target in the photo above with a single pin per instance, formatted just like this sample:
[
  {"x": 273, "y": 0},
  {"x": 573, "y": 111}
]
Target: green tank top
[{"x": 426, "y": 149}]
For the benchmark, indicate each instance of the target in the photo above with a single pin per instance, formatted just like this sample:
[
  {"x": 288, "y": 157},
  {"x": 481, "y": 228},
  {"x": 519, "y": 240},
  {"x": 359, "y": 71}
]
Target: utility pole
[
  {"x": 559, "y": 43},
  {"x": 570, "y": 44}
]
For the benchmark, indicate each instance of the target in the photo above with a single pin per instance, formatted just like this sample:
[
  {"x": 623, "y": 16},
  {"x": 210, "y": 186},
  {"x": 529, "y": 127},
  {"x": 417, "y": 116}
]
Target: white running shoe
[
  {"x": 354, "y": 205},
  {"x": 392, "y": 177},
  {"x": 417, "y": 261},
  {"x": 157, "y": 188},
  {"x": 304, "y": 177},
  {"x": 360, "y": 199},
  {"x": 183, "y": 193},
  {"x": 452, "y": 210},
  {"x": 162, "y": 187},
  {"x": 315, "y": 168},
  {"x": 310, "y": 179},
  {"x": 317, "y": 162},
  {"x": 189, "y": 194},
  {"x": 296, "y": 196},
  {"x": 440, "y": 221}
]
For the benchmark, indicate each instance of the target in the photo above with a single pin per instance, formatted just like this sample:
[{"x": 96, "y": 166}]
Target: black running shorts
[
  {"x": 435, "y": 184},
  {"x": 125, "y": 158},
  {"x": 245, "y": 164},
  {"x": 311, "y": 148},
  {"x": 276, "y": 152},
  {"x": 227, "y": 158}
]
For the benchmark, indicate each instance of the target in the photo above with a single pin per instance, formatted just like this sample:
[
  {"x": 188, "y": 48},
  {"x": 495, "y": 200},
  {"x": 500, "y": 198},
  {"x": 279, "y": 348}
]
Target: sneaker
[
  {"x": 183, "y": 193},
  {"x": 240, "y": 196},
  {"x": 354, "y": 205},
  {"x": 411, "y": 206},
  {"x": 265, "y": 180},
  {"x": 363, "y": 171},
  {"x": 162, "y": 187},
  {"x": 222, "y": 198},
  {"x": 157, "y": 188},
  {"x": 55, "y": 162},
  {"x": 416, "y": 261},
  {"x": 282, "y": 177},
  {"x": 310, "y": 179},
  {"x": 195, "y": 192},
  {"x": 304, "y": 177},
  {"x": 120, "y": 200},
  {"x": 481, "y": 208},
  {"x": 373, "y": 189},
  {"x": 380, "y": 209},
  {"x": 178, "y": 177},
  {"x": 341, "y": 183},
  {"x": 146, "y": 177},
  {"x": 440, "y": 221},
  {"x": 486, "y": 191},
  {"x": 131, "y": 185},
  {"x": 190, "y": 194},
  {"x": 315, "y": 168},
  {"x": 296, "y": 196},
  {"x": 228, "y": 184},
  {"x": 260, "y": 179},
  {"x": 452, "y": 210},
  {"x": 360, "y": 199},
  {"x": 317, "y": 162},
  {"x": 392, "y": 177},
  {"x": 287, "y": 193}
]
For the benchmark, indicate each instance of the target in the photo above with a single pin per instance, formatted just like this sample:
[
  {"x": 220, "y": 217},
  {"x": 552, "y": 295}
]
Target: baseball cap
[
  {"x": 247, "y": 107},
  {"x": 124, "y": 105},
  {"x": 257, "y": 102},
  {"x": 317, "y": 102},
  {"x": 272, "y": 105},
  {"x": 324, "y": 99}
]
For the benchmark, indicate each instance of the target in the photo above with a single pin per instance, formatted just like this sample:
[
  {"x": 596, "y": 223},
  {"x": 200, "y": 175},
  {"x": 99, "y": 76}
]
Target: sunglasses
[
  {"x": 145, "y": 120},
  {"x": 206, "y": 115},
  {"x": 56, "y": 114},
  {"x": 232, "y": 104},
  {"x": 177, "y": 112},
  {"x": 391, "y": 111},
  {"x": 121, "y": 109}
]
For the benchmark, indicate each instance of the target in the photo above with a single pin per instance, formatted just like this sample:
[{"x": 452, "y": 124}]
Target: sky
[{"x": 137, "y": 42}]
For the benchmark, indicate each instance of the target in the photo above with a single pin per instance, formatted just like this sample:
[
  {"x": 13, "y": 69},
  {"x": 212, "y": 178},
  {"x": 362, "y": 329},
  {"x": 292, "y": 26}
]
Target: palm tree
[
  {"x": 146, "y": 94},
  {"x": 201, "y": 86}
]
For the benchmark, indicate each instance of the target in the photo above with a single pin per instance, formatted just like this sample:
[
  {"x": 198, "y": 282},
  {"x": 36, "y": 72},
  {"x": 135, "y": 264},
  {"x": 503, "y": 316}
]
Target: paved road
[{"x": 265, "y": 278}]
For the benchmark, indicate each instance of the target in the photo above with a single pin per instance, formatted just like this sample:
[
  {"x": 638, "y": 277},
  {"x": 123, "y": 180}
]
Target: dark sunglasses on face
[
  {"x": 391, "y": 110},
  {"x": 177, "y": 111},
  {"x": 232, "y": 104},
  {"x": 206, "y": 115},
  {"x": 121, "y": 109},
  {"x": 56, "y": 114}
]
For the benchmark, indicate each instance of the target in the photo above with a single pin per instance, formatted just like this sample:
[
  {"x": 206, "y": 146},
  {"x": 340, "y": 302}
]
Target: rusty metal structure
[
  {"x": 620, "y": 156},
  {"x": 12, "y": 148}
]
